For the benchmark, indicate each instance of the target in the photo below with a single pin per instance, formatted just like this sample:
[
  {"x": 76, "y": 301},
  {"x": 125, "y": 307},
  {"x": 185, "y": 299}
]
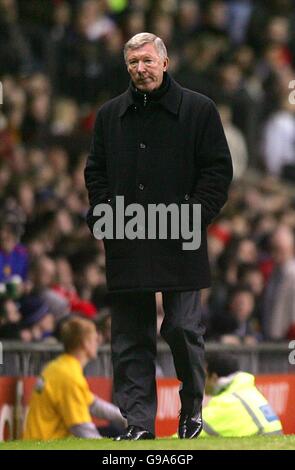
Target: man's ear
[
  {"x": 166, "y": 64},
  {"x": 84, "y": 343}
]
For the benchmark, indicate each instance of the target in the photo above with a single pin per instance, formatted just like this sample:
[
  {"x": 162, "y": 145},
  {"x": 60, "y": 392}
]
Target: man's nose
[{"x": 140, "y": 66}]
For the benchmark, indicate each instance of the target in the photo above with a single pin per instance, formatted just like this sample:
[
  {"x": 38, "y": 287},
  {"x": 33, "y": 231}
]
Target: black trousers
[{"x": 134, "y": 352}]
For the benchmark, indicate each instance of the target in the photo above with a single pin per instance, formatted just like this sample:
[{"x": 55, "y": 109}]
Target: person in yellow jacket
[
  {"x": 236, "y": 408},
  {"x": 62, "y": 403}
]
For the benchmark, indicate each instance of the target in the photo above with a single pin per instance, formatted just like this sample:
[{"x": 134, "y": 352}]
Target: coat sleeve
[
  {"x": 95, "y": 172},
  {"x": 213, "y": 165}
]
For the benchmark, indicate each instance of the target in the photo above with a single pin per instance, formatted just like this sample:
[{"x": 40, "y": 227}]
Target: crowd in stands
[{"x": 59, "y": 61}]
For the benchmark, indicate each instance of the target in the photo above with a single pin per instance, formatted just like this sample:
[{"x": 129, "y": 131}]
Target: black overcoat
[{"x": 176, "y": 152}]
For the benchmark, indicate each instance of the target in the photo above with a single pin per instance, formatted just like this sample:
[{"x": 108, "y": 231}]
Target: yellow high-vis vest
[
  {"x": 240, "y": 410},
  {"x": 117, "y": 5}
]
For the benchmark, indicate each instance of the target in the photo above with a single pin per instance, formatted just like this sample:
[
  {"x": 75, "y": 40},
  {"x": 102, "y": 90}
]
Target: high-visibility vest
[
  {"x": 117, "y": 5},
  {"x": 240, "y": 410}
]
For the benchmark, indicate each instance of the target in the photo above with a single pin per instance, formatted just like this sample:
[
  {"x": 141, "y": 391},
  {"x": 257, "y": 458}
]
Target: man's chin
[{"x": 145, "y": 87}]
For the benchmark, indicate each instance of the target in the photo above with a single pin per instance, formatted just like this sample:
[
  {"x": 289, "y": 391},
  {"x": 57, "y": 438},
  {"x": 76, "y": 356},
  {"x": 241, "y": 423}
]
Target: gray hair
[{"x": 141, "y": 39}]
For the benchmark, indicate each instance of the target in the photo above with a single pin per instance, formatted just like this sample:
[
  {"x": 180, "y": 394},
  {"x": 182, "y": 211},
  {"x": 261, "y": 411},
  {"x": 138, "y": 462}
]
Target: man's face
[
  {"x": 146, "y": 67},
  {"x": 7, "y": 239},
  {"x": 210, "y": 384}
]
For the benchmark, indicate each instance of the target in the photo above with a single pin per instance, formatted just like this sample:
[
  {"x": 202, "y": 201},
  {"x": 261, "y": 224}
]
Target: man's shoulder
[{"x": 63, "y": 367}]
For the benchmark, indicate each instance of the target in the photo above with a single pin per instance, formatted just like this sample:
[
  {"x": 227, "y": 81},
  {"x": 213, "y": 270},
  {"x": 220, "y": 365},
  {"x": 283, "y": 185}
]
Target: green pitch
[{"x": 211, "y": 443}]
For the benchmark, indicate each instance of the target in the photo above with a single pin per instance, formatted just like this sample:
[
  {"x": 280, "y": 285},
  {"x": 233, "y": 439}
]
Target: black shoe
[
  {"x": 190, "y": 426},
  {"x": 134, "y": 433}
]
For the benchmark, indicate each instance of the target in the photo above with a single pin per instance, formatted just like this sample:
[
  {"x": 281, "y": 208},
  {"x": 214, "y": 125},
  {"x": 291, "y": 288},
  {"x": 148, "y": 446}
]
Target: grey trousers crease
[{"x": 134, "y": 351}]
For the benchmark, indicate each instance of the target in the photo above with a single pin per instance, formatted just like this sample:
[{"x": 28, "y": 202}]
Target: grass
[{"x": 210, "y": 443}]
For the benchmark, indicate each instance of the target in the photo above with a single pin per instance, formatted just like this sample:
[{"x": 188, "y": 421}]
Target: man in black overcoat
[{"x": 157, "y": 143}]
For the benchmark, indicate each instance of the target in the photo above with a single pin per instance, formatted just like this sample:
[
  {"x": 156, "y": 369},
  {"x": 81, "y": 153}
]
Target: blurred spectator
[
  {"x": 9, "y": 312},
  {"x": 10, "y": 318},
  {"x": 219, "y": 235},
  {"x": 239, "y": 12},
  {"x": 279, "y": 141},
  {"x": 234, "y": 325},
  {"x": 42, "y": 277},
  {"x": 251, "y": 275},
  {"x": 13, "y": 255},
  {"x": 31, "y": 321},
  {"x": 16, "y": 55},
  {"x": 233, "y": 90},
  {"x": 236, "y": 142},
  {"x": 279, "y": 300},
  {"x": 37, "y": 317},
  {"x": 188, "y": 21},
  {"x": 65, "y": 287}
]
